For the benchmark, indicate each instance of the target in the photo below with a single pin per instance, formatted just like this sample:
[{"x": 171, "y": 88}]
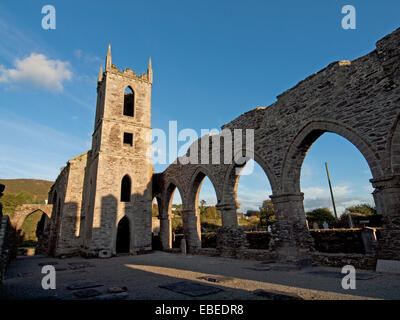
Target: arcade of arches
[{"x": 358, "y": 100}]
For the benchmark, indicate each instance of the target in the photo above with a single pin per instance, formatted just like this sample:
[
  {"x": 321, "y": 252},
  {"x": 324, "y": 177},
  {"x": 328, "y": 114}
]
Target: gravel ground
[{"x": 143, "y": 274}]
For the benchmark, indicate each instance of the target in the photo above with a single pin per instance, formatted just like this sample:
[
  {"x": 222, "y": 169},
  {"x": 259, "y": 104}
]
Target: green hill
[
  {"x": 22, "y": 191},
  {"x": 39, "y": 188}
]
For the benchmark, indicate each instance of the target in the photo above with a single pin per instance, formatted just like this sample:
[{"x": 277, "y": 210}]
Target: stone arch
[
  {"x": 165, "y": 209},
  {"x": 168, "y": 194},
  {"x": 23, "y": 211},
  {"x": 195, "y": 183},
  {"x": 231, "y": 179},
  {"x": 129, "y": 102},
  {"x": 290, "y": 179}
]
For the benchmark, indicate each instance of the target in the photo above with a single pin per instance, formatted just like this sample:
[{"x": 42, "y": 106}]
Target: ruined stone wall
[
  {"x": 23, "y": 211},
  {"x": 338, "y": 260},
  {"x": 359, "y": 100},
  {"x": 338, "y": 240},
  {"x": 56, "y": 198},
  {"x": 69, "y": 241},
  {"x": 8, "y": 244}
]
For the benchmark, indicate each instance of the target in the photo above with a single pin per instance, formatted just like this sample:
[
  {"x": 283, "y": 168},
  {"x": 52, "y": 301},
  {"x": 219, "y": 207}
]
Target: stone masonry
[
  {"x": 358, "y": 100},
  {"x": 87, "y": 198}
]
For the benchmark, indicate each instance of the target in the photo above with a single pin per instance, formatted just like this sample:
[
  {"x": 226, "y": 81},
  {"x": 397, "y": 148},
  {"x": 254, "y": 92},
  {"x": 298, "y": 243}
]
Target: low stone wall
[
  {"x": 177, "y": 240},
  {"x": 258, "y": 239},
  {"x": 329, "y": 240},
  {"x": 8, "y": 244},
  {"x": 209, "y": 240},
  {"x": 243, "y": 254},
  {"x": 255, "y": 240},
  {"x": 334, "y": 247},
  {"x": 339, "y": 260},
  {"x": 338, "y": 240}
]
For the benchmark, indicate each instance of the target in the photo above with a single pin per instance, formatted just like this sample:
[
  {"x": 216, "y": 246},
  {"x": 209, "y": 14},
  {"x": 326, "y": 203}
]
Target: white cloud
[
  {"x": 38, "y": 70},
  {"x": 318, "y": 192}
]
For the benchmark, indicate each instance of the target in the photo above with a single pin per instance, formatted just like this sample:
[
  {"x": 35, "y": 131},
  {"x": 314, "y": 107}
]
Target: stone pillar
[
  {"x": 292, "y": 239},
  {"x": 191, "y": 229},
  {"x": 229, "y": 215},
  {"x": 387, "y": 200},
  {"x": 166, "y": 232}
]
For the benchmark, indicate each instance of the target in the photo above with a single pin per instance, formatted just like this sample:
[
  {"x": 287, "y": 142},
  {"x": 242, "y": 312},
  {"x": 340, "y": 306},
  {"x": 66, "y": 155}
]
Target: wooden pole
[{"x": 330, "y": 188}]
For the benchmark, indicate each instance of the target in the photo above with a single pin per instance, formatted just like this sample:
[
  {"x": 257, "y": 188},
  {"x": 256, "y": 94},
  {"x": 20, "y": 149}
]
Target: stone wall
[
  {"x": 358, "y": 100},
  {"x": 258, "y": 240},
  {"x": 338, "y": 240},
  {"x": 8, "y": 244},
  {"x": 328, "y": 241},
  {"x": 339, "y": 260},
  {"x": 23, "y": 211}
]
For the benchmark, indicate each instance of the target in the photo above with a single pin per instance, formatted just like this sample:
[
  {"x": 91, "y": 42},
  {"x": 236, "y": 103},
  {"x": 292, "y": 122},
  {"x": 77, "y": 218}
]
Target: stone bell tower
[{"x": 119, "y": 170}]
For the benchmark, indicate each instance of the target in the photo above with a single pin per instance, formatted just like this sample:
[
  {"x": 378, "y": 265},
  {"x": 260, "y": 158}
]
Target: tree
[
  {"x": 364, "y": 208},
  {"x": 155, "y": 210},
  {"x": 267, "y": 214},
  {"x": 320, "y": 215},
  {"x": 202, "y": 204}
]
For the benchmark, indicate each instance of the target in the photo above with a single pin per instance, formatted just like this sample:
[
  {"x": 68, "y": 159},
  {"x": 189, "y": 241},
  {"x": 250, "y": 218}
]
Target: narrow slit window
[
  {"x": 128, "y": 139},
  {"x": 129, "y": 102}
]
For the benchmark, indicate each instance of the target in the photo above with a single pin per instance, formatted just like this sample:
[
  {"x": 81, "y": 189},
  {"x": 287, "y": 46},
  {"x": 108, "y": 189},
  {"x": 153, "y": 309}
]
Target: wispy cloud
[
  {"x": 34, "y": 150},
  {"x": 318, "y": 197},
  {"x": 86, "y": 57},
  {"x": 39, "y": 70}
]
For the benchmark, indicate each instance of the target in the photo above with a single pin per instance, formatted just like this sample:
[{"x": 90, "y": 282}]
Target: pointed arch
[
  {"x": 290, "y": 180},
  {"x": 129, "y": 102},
  {"x": 195, "y": 185},
  {"x": 126, "y": 185},
  {"x": 232, "y": 175}
]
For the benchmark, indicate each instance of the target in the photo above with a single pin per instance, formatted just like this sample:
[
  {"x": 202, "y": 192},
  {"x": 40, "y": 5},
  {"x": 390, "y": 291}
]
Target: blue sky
[{"x": 212, "y": 61}]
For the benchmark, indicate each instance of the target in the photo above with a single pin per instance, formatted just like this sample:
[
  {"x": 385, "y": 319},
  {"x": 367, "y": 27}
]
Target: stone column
[
  {"x": 166, "y": 232},
  {"x": 387, "y": 200},
  {"x": 292, "y": 239},
  {"x": 191, "y": 229},
  {"x": 229, "y": 215}
]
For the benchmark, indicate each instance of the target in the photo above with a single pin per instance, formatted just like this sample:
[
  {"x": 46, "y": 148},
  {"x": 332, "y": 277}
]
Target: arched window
[
  {"x": 126, "y": 189},
  {"x": 129, "y": 102}
]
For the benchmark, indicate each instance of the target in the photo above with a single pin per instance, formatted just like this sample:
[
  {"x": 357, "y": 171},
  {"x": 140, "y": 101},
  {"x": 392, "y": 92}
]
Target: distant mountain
[{"x": 22, "y": 191}]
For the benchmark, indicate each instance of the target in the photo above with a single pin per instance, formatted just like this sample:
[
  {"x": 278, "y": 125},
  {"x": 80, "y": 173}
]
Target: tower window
[
  {"x": 126, "y": 189},
  {"x": 128, "y": 139},
  {"x": 129, "y": 102}
]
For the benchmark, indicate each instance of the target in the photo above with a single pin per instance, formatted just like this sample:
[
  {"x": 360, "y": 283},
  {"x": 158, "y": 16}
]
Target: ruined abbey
[{"x": 101, "y": 203}]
